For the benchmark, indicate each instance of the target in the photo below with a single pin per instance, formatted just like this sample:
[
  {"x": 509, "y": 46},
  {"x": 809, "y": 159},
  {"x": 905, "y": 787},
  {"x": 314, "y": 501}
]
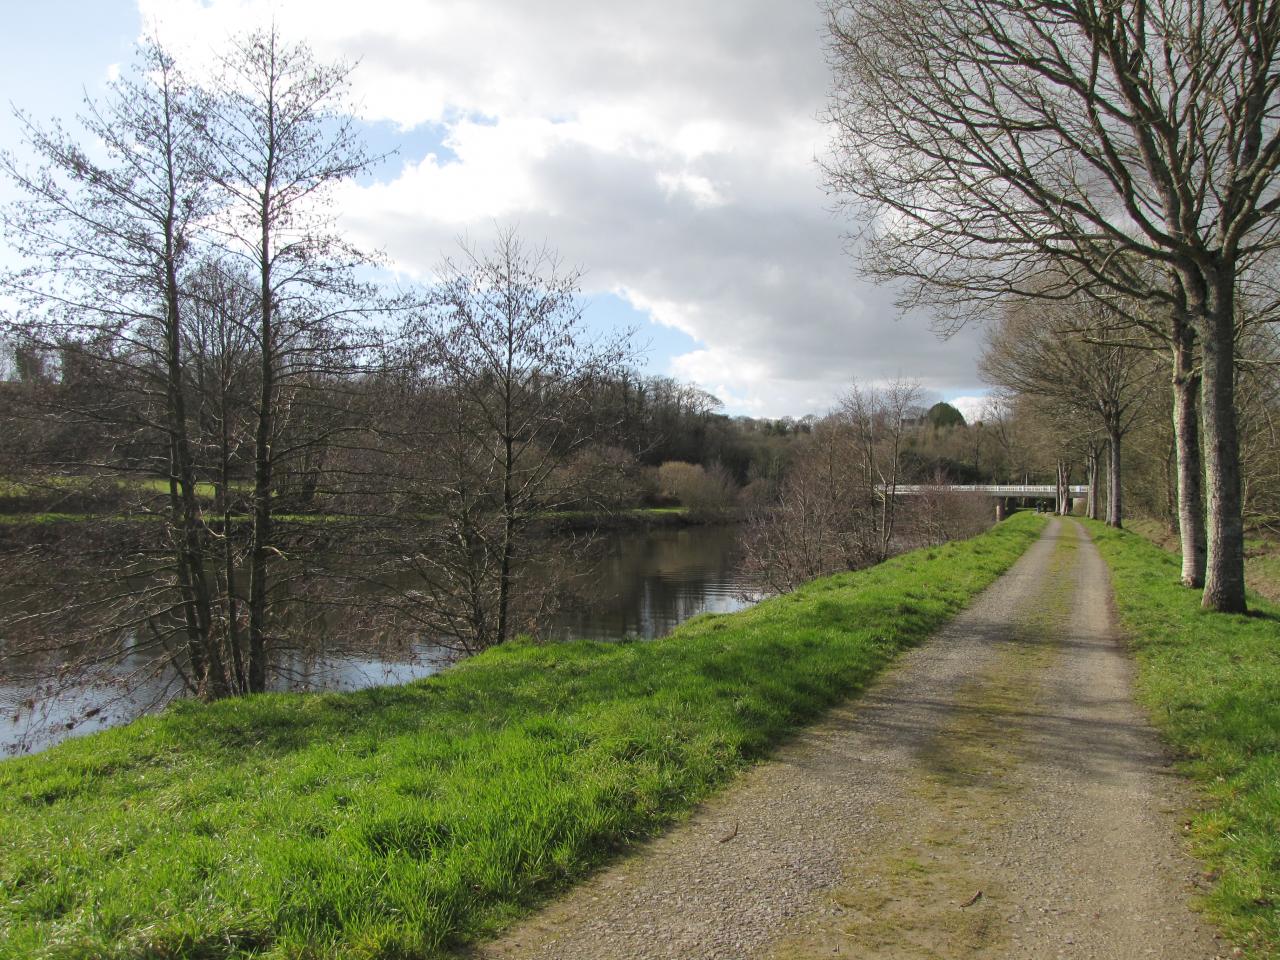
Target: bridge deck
[{"x": 993, "y": 489}]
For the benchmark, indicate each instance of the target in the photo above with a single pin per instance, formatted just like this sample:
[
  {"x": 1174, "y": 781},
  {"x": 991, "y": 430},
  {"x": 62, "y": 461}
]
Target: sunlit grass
[
  {"x": 1212, "y": 682},
  {"x": 404, "y": 821},
  {"x": 17, "y": 519},
  {"x": 61, "y": 486}
]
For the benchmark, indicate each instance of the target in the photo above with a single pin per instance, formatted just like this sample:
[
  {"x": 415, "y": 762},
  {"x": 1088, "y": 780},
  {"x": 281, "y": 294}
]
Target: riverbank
[
  {"x": 554, "y": 522},
  {"x": 404, "y": 821},
  {"x": 1210, "y": 682}
]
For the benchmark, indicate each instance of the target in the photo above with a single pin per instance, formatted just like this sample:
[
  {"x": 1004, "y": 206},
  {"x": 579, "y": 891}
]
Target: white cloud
[
  {"x": 973, "y": 407},
  {"x": 668, "y": 147}
]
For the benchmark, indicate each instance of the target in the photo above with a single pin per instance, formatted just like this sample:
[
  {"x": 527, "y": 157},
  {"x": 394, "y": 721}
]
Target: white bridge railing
[{"x": 991, "y": 489}]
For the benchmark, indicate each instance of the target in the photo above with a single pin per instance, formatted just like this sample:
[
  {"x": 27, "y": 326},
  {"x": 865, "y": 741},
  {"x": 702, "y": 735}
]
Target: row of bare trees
[
  {"x": 1121, "y": 151},
  {"x": 1088, "y": 379}
]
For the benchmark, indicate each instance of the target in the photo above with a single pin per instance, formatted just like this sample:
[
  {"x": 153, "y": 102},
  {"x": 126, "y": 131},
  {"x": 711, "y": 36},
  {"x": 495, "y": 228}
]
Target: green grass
[
  {"x": 19, "y": 488},
  {"x": 1212, "y": 683},
  {"x": 1261, "y": 555},
  {"x": 73, "y": 484},
  {"x": 405, "y": 821},
  {"x": 18, "y": 519},
  {"x": 1263, "y": 573},
  {"x": 204, "y": 490}
]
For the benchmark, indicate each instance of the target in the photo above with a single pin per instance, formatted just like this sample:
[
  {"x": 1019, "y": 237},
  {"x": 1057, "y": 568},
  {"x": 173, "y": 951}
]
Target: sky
[{"x": 667, "y": 148}]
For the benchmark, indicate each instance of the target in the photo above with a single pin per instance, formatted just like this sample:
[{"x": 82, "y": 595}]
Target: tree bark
[
  {"x": 1114, "y": 507},
  {"x": 206, "y": 662},
  {"x": 1224, "y": 521},
  {"x": 258, "y": 555},
  {"x": 1093, "y": 506},
  {"x": 1186, "y": 430},
  {"x": 223, "y": 493},
  {"x": 504, "y": 570}
]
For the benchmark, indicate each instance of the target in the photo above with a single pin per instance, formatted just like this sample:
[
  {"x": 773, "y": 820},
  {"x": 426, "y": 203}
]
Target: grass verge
[
  {"x": 406, "y": 821},
  {"x": 1261, "y": 555},
  {"x": 1211, "y": 682}
]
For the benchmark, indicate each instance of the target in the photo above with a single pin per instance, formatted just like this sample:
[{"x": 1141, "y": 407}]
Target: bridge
[
  {"x": 991, "y": 489},
  {"x": 1002, "y": 492}
]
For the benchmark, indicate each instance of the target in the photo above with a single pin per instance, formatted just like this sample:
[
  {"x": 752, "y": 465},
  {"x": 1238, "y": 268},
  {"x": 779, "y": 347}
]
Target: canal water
[{"x": 643, "y": 584}]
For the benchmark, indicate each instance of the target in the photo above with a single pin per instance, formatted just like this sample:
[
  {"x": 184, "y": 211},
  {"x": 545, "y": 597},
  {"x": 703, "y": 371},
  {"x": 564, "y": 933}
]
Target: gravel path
[{"x": 997, "y": 794}]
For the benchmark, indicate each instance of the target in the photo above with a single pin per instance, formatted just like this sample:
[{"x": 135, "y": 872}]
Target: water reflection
[
  {"x": 643, "y": 584},
  {"x": 648, "y": 582}
]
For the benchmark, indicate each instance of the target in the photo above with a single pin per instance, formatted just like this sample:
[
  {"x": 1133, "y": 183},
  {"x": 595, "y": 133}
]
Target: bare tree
[
  {"x": 192, "y": 306},
  {"x": 219, "y": 341},
  {"x": 280, "y": 135},
  {"x": 502, "y": 371},
  {"x": 1129, "y": 148},
  {"x": 107, "y": 232},
  {"x": 880, "y": 419},
  {"x": 999, "y": 417},
  {"x": 1067, "y": 354},
  {"x": 825, "y": 517},
  {"x": 1260, "y": 424},
  {"x": 831, "y": 514}
]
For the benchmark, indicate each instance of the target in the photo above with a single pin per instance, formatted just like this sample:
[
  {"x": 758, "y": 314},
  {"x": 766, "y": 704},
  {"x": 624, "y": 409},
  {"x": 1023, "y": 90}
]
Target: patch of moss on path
[{"x": 921, "y": 895}]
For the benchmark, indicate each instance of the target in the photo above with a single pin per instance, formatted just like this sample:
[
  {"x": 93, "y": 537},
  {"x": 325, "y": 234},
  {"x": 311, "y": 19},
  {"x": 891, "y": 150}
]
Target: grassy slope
[
  {"x": 401, "y": 821},
  {"x": 1262, "y": 555},
  {"x": 1212, "y": 683},
  {"x": 1262, "y": 571}
]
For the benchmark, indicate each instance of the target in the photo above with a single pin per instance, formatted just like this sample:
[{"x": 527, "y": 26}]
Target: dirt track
[{"x": 996, "y": 795}]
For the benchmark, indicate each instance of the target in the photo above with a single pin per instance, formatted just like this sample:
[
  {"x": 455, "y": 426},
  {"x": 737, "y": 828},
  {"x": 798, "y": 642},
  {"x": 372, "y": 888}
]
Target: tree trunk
[
  {"x": 1186, "y": 431},
  {"x": 206, "y": 657},
  {"x": 223, "y": 493},
  {"x": 1224, "y": 521},
  {"x": 197, "y": 668},
  {"x": 1093, "y": 506},
  {"x": 888, "y": 510},
  {"x": 1114, "y": 511},
  {"x": 504, "y": 571},
  {"x": 259, "y": 552}
]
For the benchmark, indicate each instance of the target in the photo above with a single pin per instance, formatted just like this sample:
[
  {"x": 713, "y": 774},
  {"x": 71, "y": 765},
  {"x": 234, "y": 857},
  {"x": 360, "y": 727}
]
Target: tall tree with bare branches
[
  {"x": 280, "y": 136},
  {"x": 1128, "y": 147},
  {"x": 1066, "y": 353},
  {"x": 108, "y": 225},
  {"x": 880, "y": 419},
  {"x": 503, "y": 372}
]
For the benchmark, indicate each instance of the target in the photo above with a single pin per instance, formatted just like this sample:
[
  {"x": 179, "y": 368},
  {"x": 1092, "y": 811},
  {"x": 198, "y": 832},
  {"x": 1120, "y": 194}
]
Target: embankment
[{"x": 405, "y": 821}]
